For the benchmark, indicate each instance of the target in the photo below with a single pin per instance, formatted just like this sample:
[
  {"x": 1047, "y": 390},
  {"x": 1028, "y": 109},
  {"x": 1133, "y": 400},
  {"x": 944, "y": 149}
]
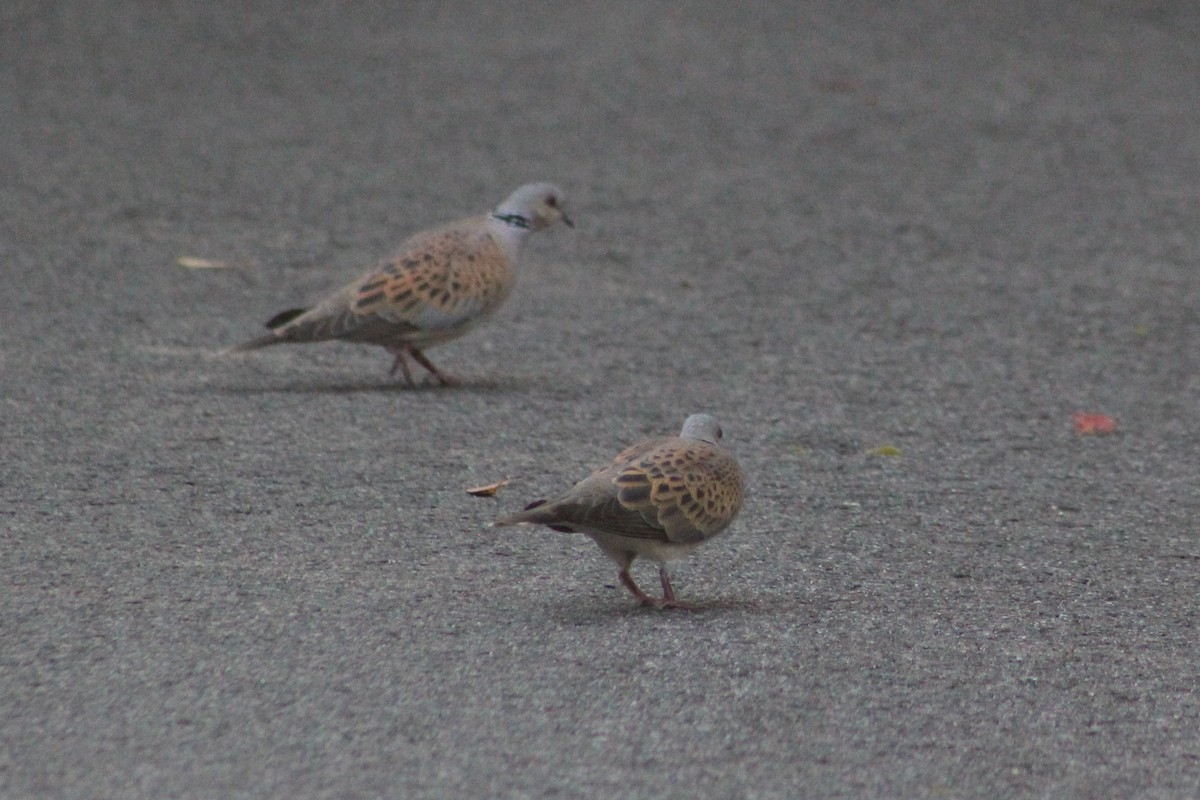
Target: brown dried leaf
[
  {"x": 489, "y": 490},
  {"x": 191, "y": 262}
]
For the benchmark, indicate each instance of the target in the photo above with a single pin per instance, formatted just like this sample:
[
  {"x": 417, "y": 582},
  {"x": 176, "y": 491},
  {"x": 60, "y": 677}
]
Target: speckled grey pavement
[{"x": 894, "y": 251}]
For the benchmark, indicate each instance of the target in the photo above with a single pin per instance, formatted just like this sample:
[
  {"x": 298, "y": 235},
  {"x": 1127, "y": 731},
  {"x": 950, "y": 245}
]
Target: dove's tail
[
  {"x": 254, "y": 344},
  {"x": 275, "y": 323},
  {"x": 530, "y": 516},
  {"x": 539, "y": 512}
]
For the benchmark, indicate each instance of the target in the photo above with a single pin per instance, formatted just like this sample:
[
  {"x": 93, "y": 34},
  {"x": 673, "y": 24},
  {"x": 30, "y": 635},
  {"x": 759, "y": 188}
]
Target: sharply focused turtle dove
[
  {"x": 659, "y": 499},
  {"x": 441, "y": 283}
]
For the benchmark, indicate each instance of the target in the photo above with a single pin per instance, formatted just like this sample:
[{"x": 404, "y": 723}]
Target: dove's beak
[{"x": 567, "y": 221}]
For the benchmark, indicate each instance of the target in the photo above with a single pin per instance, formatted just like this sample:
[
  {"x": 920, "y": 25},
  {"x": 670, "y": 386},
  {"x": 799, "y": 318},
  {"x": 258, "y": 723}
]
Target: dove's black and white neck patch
[{"x": 514, "y": 220}]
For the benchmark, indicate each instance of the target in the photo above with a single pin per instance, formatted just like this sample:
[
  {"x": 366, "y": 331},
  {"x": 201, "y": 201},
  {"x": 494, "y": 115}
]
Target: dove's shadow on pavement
[
  {"x": 579, "y": 611},
  {"x": 501, "y": 385}
]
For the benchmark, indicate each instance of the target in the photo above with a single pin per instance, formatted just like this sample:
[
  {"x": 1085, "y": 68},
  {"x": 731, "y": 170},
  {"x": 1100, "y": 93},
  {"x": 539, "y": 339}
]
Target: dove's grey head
[
  {"x": 535, "y": 206},
  {"x": 702, "y": 427}
]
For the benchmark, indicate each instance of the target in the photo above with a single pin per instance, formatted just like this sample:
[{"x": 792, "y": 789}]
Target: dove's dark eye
[
  {"x": 720, "y": 433},
  {"x": 551, "y": 200}
]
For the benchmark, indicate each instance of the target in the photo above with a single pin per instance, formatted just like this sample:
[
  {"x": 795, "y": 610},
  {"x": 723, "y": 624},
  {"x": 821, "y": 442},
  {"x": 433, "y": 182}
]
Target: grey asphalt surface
[{"x": 892, "y": 250}]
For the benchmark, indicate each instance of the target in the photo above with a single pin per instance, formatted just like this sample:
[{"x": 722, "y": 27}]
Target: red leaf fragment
[{"x": 1090, "y": 423}]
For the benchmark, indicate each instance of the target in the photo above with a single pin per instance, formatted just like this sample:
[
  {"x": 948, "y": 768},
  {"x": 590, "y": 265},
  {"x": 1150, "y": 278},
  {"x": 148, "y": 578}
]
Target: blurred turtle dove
[
  {"x": 659, "y": 499},
  {"x": 436, "y": 288}
]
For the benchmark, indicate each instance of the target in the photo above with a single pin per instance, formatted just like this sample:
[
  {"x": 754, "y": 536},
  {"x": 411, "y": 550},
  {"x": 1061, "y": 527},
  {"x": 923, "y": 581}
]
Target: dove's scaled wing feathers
[
  {"x": 442, "y": 279},
  {"x": 670, "y": 490},
  {"x": 691, "y": 490},
  {"x": 659, "y": 500},
  {"x": 441, "y": 282}
]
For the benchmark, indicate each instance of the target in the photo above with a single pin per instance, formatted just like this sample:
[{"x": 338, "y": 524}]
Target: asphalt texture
[{"x": 893, "y": 249}]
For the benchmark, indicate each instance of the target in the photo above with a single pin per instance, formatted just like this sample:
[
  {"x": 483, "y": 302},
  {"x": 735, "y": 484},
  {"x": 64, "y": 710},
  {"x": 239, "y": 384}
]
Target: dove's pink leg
[
  {"x": 445, "y": 380},
  {"x": 642, "y": 597},
  {"x": 668, "y": 592},
  {"x": 401, "y": 364},
  {"x": 668, "y": 598}
]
